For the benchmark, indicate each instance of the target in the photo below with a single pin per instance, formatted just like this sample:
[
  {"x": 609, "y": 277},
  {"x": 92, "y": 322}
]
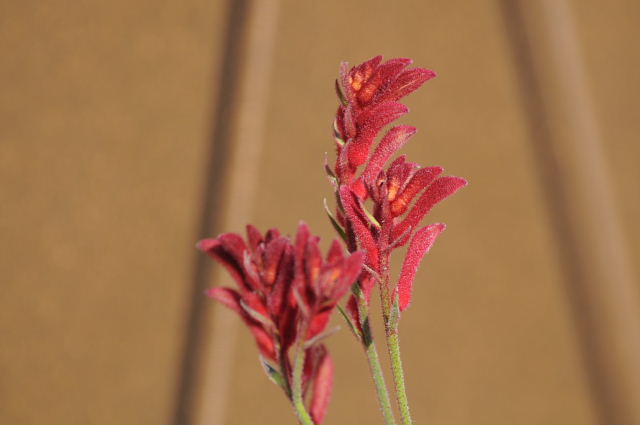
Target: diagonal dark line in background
[{"x": 216, "y": 171}]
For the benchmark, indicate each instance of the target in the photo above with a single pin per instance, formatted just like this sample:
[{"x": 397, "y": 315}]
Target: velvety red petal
[
  {"x": 280, "y": 292},
  {"x": 251, "y": 274},
  {"x": 264, "y": 341},
  {"x": 408, "y": 82},
  {"x": 231, "y": 299},
  {"x": 319, "y": 322},
  {"x": 383, "y": 76},
  {"x": 350, "y": 270},
  {"x": 288, "y": 325},
  {"x": 322, "y": 387},
  {"x": 232, "y": 260},
  {"x": 313, "y": 263},
  {"x": 419, "y": 246},
  {"x": 349, "y": 123},
  {"x": 335, "y": 253},
  {"x": 228, "y": 297},
  {"x": 360, "y": 74},
  {"x": 398, "y": 175},
  {"x": 253, "y": 236},
  {"x": 389, "y": 145},
  {"x": 367, "y": 282},
  {"x": 439, "y": 190},
  {"x": 302, "y": 238},
  {"x": 363, "y": 234},
  {"x": 404, "y": 61},
  {"x": 420, "y": 180},
  {"x": 255, "y": 303},
  {"x": 271, "y": 235},
  {"x": 352, "y": 311},
  {"x": 369, "y": 124},
  {"x": 271, "y": 259}
]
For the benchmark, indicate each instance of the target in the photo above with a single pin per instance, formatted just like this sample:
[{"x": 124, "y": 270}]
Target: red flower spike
[
  {"x": 370, "y": 91},
  {"x": 402, "y": 193},
  {"x": 438, "y": 191},
  {"x": 419, "y": 246},
  {"x": 322, "y": 388}
]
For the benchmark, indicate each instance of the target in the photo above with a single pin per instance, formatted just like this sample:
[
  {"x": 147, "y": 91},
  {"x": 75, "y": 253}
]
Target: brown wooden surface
[
  {"x": 106, "y": 116},
  {"x": 104, "y": 124},
  {"x": 607, "y": 35}
]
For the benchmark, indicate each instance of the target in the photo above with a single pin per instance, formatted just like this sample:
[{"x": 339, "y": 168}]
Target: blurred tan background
[{"x": 129, "y": 130}]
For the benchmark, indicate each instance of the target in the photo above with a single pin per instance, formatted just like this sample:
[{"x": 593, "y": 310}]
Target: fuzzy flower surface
[
  {"x": 285, "y": 292},
  {"x": 380, "y": 206}
]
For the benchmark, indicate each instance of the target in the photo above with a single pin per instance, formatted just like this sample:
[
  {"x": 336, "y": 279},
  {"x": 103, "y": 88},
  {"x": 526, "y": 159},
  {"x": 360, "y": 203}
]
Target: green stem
[
  {"x": 393, "y": 344},
  {"x": 285, "y": 370},
  {"x": 374, "y": 362},
  {"x": 296, "y": 390}
]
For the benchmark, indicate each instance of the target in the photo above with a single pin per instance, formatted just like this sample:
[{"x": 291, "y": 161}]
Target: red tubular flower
[
  {"x": 401, "y": 194},
  {"x": 285, "y": 295}
]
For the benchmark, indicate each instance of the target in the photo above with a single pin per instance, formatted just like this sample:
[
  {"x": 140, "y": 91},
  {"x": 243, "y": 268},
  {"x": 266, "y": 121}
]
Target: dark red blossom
[
  {"x": 380, "y": 209},
  {"x": 285, "y": 294}
]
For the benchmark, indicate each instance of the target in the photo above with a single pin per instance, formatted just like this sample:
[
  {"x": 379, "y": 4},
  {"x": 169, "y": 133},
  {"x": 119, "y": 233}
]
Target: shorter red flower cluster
[{"x": 286, "y": 294}]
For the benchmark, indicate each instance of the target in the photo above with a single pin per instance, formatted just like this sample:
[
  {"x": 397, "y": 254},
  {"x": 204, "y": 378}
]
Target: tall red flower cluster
[
  {"x": 402, "y": 193},
  {"x": 285, "y": 294}
]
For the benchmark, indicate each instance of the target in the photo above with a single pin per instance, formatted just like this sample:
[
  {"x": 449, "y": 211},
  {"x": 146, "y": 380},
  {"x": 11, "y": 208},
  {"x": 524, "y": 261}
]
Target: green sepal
[
  {"x": 354, "y": 330},
  {"x": 272, "y": 372},
  {"x": 335, "y": 223},
  {"x": 340, "y": 93}
]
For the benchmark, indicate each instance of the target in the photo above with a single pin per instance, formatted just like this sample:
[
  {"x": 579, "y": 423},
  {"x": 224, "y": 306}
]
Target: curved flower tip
[
  {"x": 420, "y": 244},
  {"x": 439, "y": 190},
  {"x": 206, "y": 244},
  {"x": 322, "y": 388}
]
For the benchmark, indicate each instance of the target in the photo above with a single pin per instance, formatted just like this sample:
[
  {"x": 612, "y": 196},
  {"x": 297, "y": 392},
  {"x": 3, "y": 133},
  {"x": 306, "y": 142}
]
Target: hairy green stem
[
  {"x": 296, "y": 390},
  {"x": 393, "y": 344},
  {"x": 374, "y": 362},
  {"x": 285, "y": 370}
]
